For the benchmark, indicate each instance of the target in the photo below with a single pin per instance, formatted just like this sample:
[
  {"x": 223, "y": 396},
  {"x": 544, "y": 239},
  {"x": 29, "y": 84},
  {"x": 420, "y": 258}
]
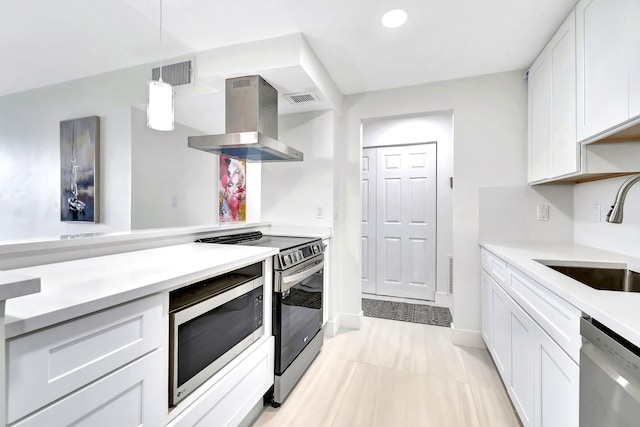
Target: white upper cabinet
[
  {"x": 608, "y": 69},
  {"x": 539, "y": 117},
  {"x": 553, "y": 149},
  {"x": 633, "y": 23}
]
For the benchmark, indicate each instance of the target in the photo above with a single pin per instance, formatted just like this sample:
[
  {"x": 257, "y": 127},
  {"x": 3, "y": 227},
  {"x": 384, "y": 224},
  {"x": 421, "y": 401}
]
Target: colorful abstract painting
[
  {"x": 232, "y": 196},
  {"x": 80, "y": 170}
]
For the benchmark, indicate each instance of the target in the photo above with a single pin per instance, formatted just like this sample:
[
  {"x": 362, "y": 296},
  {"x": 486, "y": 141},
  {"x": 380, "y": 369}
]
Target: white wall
[
  {"x": 165, "y": 167},
  {"x": 490, "y": 134},
  {"x": 622, "y": 238},
  {"x": 292, "y": 192},
  {"x": 30, "y": 153},
  {"x": 436, "y": 127},
  {"x": 510, "y": 213}
]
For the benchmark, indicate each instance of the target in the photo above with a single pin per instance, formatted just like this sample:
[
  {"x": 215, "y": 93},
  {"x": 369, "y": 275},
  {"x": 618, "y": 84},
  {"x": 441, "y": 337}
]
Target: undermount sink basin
[{"x": 603, "y": 276}]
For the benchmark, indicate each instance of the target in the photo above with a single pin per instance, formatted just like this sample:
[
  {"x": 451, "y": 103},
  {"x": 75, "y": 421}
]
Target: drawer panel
[
  {"x": 496, "y": 267},
  {"x": 559, "y": 319},
  {"x": 130, "y": 396},
  {"x": 48, "y": 364}
]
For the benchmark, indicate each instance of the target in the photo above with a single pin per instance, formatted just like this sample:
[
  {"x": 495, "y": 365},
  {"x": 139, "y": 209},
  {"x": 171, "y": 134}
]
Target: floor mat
[{"x": 406, "y": 312}]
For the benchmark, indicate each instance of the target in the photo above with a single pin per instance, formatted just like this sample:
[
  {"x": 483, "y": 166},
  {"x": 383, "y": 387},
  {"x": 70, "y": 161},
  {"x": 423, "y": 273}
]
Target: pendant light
[{"x": 160, "y": 106}]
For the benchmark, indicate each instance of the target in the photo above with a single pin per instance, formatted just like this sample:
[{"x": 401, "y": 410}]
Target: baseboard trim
[
  {"x": 344, "y": 320},
  {"x": 467, "y": 338},
  {"x": 444, "y": 299}
]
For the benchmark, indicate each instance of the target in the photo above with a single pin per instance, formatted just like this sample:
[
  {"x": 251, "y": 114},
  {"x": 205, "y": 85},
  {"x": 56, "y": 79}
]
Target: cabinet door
[
  {"x": 602, "y": 65},
  {"x": 132, "y": 396},
  {"x": 557, "y": 386},
  {"x": 553, "y": 148},
  {"x": 563, "y": 152},
  {"x": 53, "y": 362},
  {"x": 633, "y": 47},
  {"x": 487, "y": 310},
  {"x": 540, "y": 117},
  {"x": 501, "y": 332},
  {"x": 524, "y": 343}
]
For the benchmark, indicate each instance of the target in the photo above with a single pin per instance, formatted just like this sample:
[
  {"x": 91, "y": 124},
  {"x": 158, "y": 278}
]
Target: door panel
[
  {"x": 419, "y": 253},
  {"x": 418, "y": 189},
  {"x": 368, "y": 186},
  {"x": 392, "y": 195},
  {"x": 392, "y": 260},
  {"x": 406, "y": 222}
]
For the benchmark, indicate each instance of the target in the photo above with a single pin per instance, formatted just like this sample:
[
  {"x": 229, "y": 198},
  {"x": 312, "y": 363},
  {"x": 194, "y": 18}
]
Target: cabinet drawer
[
  {"x": 557, "y": 317},
  {"x": 496, "y": 267},
  {"x": 51, "y": 363},
  {"x": 131, "y": 396}
]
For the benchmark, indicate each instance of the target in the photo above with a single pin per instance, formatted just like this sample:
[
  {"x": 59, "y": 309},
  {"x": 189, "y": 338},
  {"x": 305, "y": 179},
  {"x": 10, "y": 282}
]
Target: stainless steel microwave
[{"x": 210, "y": 323}]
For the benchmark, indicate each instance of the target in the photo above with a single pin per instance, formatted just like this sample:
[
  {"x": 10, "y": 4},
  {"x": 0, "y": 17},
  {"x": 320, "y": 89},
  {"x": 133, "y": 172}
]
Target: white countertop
[
  {"x": 14, "y": 285},
  {"x": 620, "y": 311},
  {"x": 75, "y": 288}
]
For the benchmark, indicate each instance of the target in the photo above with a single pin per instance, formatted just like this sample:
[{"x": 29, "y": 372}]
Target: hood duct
[{"x": 251, "y": 124}]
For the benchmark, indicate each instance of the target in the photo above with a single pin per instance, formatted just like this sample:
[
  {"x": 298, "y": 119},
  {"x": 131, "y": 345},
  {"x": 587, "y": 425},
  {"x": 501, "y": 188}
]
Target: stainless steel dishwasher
[{"x": 609, "y": 378}]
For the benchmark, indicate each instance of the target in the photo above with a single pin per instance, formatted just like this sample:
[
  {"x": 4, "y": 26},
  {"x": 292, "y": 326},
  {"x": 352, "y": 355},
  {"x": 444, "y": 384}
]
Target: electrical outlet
[
  {"x": 319, "y": 212},
  {"x": 543, "y": 213},
  {"x": 174, "y": 201},
  {"x": 596, "y": 213}
]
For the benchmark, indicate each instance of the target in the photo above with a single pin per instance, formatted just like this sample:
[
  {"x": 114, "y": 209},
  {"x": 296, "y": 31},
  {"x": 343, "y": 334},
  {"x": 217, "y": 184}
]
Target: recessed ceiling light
[{"x": 394, "y": 18}]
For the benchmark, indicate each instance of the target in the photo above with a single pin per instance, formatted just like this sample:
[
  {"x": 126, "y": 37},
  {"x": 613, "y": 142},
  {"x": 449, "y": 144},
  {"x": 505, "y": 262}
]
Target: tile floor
[{"x": 393, "y": 373}]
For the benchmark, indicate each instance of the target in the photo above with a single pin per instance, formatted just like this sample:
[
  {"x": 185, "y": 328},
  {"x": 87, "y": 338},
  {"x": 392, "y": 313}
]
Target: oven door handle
[{"x": 289, "y": 281}]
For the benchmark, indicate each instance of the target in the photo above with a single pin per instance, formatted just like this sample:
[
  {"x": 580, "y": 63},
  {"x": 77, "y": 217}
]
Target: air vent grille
[
  {"x": 178, "y": 74},
  {"x": 450, "y": 274},
  {"x": 241, "y": 83},
  {"x": 302, "y": 98}
]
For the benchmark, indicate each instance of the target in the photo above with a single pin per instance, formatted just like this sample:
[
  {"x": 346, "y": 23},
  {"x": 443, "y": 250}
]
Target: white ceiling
[{"x": 44, "y": 42}]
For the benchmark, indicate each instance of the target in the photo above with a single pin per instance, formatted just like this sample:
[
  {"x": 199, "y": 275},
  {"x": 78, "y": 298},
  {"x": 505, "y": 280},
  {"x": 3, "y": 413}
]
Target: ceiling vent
[
  {"x": 177, "y": 75},
  {"x": 302, "y": 98}
]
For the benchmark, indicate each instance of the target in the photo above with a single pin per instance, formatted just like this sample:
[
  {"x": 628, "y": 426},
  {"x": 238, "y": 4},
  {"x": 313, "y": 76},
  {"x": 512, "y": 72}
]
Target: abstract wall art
[
  {"x": 80, "y": 170},
  {"x": 232, "y": 194}
]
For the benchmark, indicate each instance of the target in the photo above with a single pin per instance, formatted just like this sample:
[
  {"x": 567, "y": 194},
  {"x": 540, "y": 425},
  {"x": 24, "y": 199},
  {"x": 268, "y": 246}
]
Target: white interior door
[
  {"x": 406, "y": 221},
  {"x": 368, "y": 189}
]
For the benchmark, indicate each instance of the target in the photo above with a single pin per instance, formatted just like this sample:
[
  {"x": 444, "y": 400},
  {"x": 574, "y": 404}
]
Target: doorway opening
[{"x": 407, "y": 165}]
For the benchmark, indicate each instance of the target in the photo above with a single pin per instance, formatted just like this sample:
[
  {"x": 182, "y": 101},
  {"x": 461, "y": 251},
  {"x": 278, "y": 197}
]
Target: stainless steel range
[{"x": 297, "y": 304}]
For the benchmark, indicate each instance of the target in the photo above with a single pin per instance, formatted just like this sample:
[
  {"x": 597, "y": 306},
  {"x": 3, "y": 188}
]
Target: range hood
[{"x": 251, "y": 124}]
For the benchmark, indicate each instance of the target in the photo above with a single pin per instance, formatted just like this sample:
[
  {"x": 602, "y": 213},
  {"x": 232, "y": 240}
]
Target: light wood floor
[{"x": 391, "y": 374}]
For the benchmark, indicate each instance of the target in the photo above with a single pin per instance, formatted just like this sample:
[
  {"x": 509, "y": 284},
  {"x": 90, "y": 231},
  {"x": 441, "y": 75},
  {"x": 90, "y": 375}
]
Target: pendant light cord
[{"x": 160, "y": 79}]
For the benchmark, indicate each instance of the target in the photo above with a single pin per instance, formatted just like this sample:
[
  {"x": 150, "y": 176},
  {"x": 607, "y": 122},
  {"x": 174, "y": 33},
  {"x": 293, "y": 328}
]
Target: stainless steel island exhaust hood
[{"x": 251, "y": 124}]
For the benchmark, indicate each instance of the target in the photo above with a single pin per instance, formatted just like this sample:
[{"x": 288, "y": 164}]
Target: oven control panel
[{"x": 291, "y": 257}]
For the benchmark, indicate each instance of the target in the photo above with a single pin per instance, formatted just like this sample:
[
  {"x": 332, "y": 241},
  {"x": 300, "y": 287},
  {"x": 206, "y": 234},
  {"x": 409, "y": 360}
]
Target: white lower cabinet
[
  {"x": 487, "y": 313},
  {"x": 501, "y": 331},
  {"x": 124, "y": 398},
  {"x": 539, "y": 375},
  {"x": 557, "y": 385},
  {"x": 102, "y": 369},
  {"x": 524, "y": 344}
]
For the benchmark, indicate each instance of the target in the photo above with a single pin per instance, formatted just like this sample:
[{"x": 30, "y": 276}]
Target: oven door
[{"x": 297, "y": 310}]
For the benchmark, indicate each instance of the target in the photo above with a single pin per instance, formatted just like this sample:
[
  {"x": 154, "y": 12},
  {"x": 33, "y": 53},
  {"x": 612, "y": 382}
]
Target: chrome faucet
[{"x": 615, "y": 214}]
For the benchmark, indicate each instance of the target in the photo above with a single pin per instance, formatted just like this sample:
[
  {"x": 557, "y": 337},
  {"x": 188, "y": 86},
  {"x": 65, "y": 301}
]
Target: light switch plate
[{"x": 596, "y": 213}]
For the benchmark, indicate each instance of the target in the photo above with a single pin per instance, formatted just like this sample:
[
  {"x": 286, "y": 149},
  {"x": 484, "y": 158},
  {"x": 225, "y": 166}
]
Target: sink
[{"x": 603, "y": 276}]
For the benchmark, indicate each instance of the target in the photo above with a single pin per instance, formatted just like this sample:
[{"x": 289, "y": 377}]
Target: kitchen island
[{"x": 93, "y": 343}]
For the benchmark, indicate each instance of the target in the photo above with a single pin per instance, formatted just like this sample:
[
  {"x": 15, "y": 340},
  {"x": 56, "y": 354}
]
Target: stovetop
[
  {"x": 258, "y": 239},
  {"x": 293, "y": 250}
]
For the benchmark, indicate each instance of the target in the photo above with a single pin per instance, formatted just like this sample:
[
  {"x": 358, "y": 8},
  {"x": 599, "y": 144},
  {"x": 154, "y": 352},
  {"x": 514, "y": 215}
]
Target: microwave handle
[{"x": 294, "y": 278}]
